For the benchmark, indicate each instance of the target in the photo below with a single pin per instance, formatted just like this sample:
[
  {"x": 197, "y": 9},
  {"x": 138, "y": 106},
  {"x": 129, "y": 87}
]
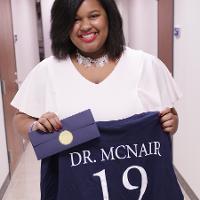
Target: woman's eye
[
  {"x": 77, "y": 19},
  {"x": 94, "y": 16}
]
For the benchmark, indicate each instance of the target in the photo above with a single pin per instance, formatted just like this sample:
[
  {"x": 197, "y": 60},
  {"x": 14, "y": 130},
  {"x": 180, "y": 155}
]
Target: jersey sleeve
[
  {"x": 31, "y": 95},
  {"x": 157, "y": 89}
]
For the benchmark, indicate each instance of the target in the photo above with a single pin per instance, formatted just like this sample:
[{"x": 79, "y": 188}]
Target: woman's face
[{"x": 90, "y": 29}]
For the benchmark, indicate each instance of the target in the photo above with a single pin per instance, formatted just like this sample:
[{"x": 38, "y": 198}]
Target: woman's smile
[{"x": 88, "y": 37}]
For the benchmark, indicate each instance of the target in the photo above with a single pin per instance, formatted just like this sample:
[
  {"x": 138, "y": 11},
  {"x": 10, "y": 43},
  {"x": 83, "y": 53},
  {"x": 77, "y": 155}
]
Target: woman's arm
[
  {"x": 22, "y": 123},
  {"x": 48, "y": 122}
]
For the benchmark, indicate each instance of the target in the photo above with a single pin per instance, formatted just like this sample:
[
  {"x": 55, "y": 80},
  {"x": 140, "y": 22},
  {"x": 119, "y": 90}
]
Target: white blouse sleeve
[
  {"x": 157, "y": 88},
  {"x": 32, "y": 94}
]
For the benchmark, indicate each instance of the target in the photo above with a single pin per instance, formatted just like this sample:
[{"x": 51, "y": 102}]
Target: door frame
[{"x": 165, "y": 32}]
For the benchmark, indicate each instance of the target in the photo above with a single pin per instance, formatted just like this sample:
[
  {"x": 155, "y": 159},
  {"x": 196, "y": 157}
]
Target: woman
[
  {"x": 92, "y": 68},
  {"x": 70, "y": 82}
]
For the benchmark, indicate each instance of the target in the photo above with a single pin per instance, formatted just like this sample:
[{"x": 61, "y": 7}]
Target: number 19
[{"x": 125, "y": 181}]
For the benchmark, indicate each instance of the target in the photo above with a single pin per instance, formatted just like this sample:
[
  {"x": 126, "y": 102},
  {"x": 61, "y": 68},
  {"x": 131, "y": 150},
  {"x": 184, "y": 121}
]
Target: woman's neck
[{"x": 93, "y": 55}]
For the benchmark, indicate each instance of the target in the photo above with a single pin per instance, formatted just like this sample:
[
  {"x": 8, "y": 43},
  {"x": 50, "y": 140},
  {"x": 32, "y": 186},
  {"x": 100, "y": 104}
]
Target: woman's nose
[{"x": 85, "y": 25}]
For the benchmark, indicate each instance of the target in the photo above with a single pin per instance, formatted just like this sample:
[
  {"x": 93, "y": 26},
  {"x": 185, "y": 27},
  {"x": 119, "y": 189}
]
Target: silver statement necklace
[{"x": 88, "y": 62}]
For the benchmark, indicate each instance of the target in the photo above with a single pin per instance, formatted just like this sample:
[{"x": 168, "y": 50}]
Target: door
[
  {"x": 9, "y": 86},
  {"x": 151, "y": 27},
  {"x": 165, "y": 32}
]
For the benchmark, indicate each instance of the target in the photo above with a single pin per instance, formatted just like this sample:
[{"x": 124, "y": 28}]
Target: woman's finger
[
  {"x": 168, "y": 123},
  {"x": 165, "y": 111},
  {"x": 46, "y": 123},
  {"x": 169, "y": 130},
  {"x": 55, "y": 123},
  {"x": 166, "y": 117},
  {"x": 37, "y": 126}
]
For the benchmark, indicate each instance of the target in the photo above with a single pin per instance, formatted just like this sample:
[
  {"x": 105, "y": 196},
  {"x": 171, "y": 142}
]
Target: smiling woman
[
  {"x": 90, "y": 30},
  {"x": 92, "y": 17},
  {"x": 91, "y": 68}
]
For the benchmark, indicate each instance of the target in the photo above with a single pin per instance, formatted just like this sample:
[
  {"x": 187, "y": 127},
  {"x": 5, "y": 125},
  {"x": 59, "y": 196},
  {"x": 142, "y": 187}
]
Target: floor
[
  {"x": 25, "y": 181},
  {"x": 24, "y": 184}
]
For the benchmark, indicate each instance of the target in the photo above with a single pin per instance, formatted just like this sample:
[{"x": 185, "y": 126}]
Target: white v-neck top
[{"x": 140, "y": 82}]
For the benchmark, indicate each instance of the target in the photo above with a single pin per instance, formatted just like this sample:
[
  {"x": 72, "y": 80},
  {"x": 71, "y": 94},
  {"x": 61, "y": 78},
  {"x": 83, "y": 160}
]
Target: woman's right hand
[{"x": 48, "y": 122}]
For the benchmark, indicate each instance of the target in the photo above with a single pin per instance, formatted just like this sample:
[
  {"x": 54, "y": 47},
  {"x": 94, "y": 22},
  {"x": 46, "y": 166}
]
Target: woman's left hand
[{"x": 169, "y": 120}]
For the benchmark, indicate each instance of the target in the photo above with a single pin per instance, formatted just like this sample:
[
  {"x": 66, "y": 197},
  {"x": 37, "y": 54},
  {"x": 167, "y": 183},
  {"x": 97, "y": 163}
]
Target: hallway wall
[
  {"x": 25, "y": 29},
  {"x": 123, "y": 7},
  {"x": 3, "y": 147},
  {"x": 186, "y": 71},
  {"x": 46, "y": 13}
]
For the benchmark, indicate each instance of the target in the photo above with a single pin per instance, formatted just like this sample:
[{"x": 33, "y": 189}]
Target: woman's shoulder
[
  {"x": 48, "y": 62},
  {"x": 140, "y": 59},
  {"x": 145, "y": 59},
  {"x": 47, "y": 65},
  {"x": 140, "y": 54}
]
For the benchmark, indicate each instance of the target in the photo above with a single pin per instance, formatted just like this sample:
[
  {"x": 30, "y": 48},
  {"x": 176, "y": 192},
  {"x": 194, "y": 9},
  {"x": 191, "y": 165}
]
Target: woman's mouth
[{"x": 88, "y": 37}]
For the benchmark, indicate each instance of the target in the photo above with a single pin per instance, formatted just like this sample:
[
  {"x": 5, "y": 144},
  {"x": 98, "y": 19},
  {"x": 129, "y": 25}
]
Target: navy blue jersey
[{"x": 130, "y": 161}]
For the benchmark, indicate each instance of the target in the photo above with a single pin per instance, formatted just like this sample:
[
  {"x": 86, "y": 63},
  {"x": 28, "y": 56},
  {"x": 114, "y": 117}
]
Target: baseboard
[
  {"x": 4, "y": 186},
  {"x": 188, "y": 190}
]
